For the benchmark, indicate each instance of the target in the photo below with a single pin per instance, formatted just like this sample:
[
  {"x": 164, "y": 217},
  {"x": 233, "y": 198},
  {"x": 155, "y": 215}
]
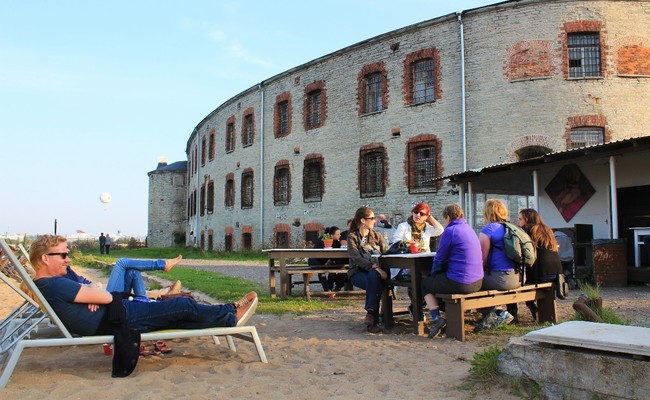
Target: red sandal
[{"x": 161, "y": 347}]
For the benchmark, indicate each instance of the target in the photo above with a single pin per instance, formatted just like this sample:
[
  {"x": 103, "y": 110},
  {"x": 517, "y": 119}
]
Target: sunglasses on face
[
  {"x": 419, "y": 213},
  {"x": 63, "y": 255}
]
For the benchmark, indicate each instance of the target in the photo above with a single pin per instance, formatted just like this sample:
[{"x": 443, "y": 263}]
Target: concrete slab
[{"x": 633, "y": 340}]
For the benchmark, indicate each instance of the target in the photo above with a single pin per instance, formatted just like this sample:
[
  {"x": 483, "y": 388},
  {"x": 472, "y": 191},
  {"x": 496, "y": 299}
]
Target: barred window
[
  {"x": 584, "y": 54},
  {"x": 312, "y": 185},
  {"x": 281, "y": 188},
  {"x": 373, "y": 92},
  {"x": 423, "y": 164},
  {"x": 202, "y": 200},
  {"x": 586, "y": 136},
  {"x": 203, "y": 150},
  {"x": 210, "y": 202},
  {"x": 247, "y": 134},
  {"x": 282, "y": 240},
  {"x": 283, "y": 118},
  {"x": 371, "y": 173},
  {"x": 247, "y": 190},
  {"x": 314, "y": 109},
  {"x": 211, "y": 146},
  {"x": 423, "y": 83},
  {"x": 230, "y": 138},
  {"x": 230, "y": 193}
]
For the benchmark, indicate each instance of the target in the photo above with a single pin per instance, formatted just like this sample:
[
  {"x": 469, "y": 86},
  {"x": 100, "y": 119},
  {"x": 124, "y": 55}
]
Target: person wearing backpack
[
  {"x": 547, "y": 265},
  {"x": 501, "y": 273}
]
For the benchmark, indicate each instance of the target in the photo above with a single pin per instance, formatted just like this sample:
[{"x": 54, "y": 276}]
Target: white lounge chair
[{"x": 16, "y": 329}]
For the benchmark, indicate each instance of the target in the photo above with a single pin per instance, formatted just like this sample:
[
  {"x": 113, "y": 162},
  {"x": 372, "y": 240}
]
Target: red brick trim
[
  {"x": 250, "y": 111},
  {"x": 281, "y": 165},
  {"x": 285, "y": 96},
  {"x": 579, "y": 121},
  {"x": 409, "y": 168},
  {"x": 361, "y": 85},
  {"x": 317, "y": 85},
  {"x": 407, "y": 76},
  {"x": 529, "y": 59},
  {"x": 583, "y": 26},
  {"x": 633, "y": 56},
  {"x": 231, "y": 121},
  {"x": 371, "y": 148}
]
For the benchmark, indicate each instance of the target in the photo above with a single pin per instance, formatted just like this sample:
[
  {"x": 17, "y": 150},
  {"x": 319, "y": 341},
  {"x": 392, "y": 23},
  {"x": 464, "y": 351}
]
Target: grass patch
[
  {"x": 483, "y": 369},
  {"x": 190, "y": 253},
  {"x": 607, "y": 314}
]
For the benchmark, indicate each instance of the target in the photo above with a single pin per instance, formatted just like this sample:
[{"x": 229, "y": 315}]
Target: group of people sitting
[{"x": 464, "y": 262}]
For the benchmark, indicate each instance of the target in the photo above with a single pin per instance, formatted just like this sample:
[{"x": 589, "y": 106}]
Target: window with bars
[
  {"x": 283, "y": 118},
  {"x": 312, "y": 185},
  {"x": 373, "y": 92},
  {"x": 314, "y": 109},
  {"x": 247, "y": 190},
  {"x": 247, "y": 134},
  {"x": 230, "y": 138},
  {"x": 211, "y": 146},
  {"x": 203, "y": 150},
  {"x": 194, "y": 202},
  {"x": 371, "y": 173},
  {"x": 202, "y": 201},
  {"x": 584, "y": 54},
  {"x": 281, "y": 192},
  {"x": 423, "y": 164},
  {"x": 210, "y": 202},
  {"x": 587, "y": 136},
  {"x": 229, "y": 200},
  {"x": 311, "y": 237},
  {"x": 282, "y": 240},
  {"x": 423, "y": 81}
]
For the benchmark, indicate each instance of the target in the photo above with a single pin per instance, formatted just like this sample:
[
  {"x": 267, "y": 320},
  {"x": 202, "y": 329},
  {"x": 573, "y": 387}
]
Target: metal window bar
[
  {"x": 282, "y": 187},
  {"x": 314, "y": 109},
  {"x": 423, "y": 85},
  {"x": 247, "y": 191},
  {"x": 373, "y": 93},
  {"x": 230, "y": 138},
  {"x": 584, "y": 55},
  {"x": 313, "y": 185},
  {"x": 210, "y": 198},
  {"x": 372, "y": 174},
  {"x": 282, "y": 240},
  {"x": 283, "y": 118},
  {"x": 230, "y": 193},
  {"x": 425, "y": 167},
  {"x": 582, "y": 137},
  {"x": 248, "y": 131}
]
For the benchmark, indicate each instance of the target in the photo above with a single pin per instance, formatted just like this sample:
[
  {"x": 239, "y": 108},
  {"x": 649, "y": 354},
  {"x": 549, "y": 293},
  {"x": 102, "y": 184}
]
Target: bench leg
[
  {"x": 306, "y": 278},
  {"x": 455, "y": 320},
  {"x": 272, "y": 279},
  {"x": 546, "y": 307}
]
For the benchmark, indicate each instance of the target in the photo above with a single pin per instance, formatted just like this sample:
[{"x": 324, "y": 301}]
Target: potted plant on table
[{"x": 327, "y": 240}]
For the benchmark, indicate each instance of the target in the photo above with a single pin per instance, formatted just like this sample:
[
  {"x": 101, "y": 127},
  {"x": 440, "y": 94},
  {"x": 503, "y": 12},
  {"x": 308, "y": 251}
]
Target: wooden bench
[
  {"x": 457, "y": 304},
  {"x": 307, "y": 273}
]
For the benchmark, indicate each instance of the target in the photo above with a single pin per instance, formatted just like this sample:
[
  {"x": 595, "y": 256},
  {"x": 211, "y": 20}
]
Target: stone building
[
  {"x": 167, "y": 199},
  {"x": 379, "y": 122}
]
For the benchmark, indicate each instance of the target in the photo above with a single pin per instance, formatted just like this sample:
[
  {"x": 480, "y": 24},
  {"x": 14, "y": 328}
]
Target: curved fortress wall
[{"x": 375, "y": 123}]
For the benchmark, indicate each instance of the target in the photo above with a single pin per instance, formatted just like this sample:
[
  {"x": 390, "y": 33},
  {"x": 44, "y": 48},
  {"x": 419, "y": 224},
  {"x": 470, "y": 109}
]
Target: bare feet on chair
[{"x": 169, "y": 264}]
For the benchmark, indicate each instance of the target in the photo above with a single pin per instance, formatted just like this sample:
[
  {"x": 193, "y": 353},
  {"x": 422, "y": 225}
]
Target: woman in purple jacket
[{"x": 457, "y": 267}]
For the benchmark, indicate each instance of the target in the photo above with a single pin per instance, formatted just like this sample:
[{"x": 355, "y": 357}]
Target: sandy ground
[{"x": 316, "y": 356}]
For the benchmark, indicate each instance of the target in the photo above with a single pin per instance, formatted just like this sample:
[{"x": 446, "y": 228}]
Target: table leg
[
  {"x": 272, "y": 278},
  {"x": 284, "y": 277},
  {"x": 416, "y": 301},
  {"x": 387, "y": 305}
]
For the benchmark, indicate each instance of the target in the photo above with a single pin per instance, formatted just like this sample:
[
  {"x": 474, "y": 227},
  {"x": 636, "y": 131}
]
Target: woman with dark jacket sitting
[
  {"x": 547, "y": 265},
  {"x": 329, "y": 281}
]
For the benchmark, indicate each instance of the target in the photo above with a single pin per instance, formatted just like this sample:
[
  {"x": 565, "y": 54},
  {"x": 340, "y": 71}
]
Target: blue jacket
[{"x": 459, "y": 252}]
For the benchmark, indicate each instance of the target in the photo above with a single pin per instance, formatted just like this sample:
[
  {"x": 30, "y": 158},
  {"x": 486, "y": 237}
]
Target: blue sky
[{"x": 92, "y": 93}]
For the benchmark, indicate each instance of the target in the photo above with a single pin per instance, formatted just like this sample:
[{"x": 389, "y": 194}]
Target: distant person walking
[
  {"x": 102, "y": 243},
  {"x": 107, "y": 243}
]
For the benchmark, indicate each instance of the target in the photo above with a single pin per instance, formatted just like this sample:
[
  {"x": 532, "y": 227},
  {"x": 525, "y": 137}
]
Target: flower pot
[{"x": 328, "y": 242}]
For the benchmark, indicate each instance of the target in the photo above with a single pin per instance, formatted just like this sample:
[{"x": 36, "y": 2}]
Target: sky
[{"x": 93, "y": 93}]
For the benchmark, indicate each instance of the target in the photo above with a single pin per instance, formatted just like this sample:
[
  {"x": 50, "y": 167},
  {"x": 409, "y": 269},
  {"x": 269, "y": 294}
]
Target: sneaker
[
  {"x": 436, "y": 326},
  {"x": 504, "y": 318},
  {"x": 488, "y": 322},
  {"x": 245, "y": 308},
  {"x": 370, "y": 319},
  {"x": 374, "y": 329}
]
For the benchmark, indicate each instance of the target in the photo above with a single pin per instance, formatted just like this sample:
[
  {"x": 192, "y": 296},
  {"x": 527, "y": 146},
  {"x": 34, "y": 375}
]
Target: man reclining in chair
[{"x": 83, "y": 309}]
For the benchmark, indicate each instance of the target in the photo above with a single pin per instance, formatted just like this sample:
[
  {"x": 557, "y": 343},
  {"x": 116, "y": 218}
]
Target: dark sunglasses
[
  {"x": 63, "y": 255},
  {"x": 419, "y": 213}
]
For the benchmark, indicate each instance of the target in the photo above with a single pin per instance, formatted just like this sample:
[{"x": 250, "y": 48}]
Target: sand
[{"x": 316, "y": 356}]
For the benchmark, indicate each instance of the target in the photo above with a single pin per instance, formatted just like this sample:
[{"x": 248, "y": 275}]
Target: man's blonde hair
[{"x": 41, "y": 246}]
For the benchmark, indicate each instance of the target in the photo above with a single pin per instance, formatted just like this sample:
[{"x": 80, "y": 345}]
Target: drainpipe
[
  {"x": 261, "y": 185},
  {"x": 535, "y": 190},
  {"x": 462, "y": 90},
  {"x": 612, "y": 195}
]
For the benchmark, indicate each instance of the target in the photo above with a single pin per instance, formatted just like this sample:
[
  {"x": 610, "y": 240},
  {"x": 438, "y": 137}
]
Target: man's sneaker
[
  {"x": 504, "y": 318},
  {"x": 488, "y": 322},
  {"x": 245, "y": 308},
  {"x": 436, "y": 326}
]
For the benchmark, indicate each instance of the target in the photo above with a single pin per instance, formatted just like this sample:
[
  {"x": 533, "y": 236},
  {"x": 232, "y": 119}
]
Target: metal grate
[
  {"x": 586, "y": 136},
  {"x": 423, "y": 84},
  {"x": 314, "y": 107},
  {"x": 210, "y": 203},
  {"x": 248, "y": 131},
  {"x": 282, "y": 240},
  {"x": 281, "y": 192},
  {"x": 424, "y": 167},
  {"x": 247, "y": 190},
  {"x": 373, "y": 93},
  {"x": 230, "y": 193},
  {"x": 230, "y": 138},
  {"x": 283, "y": 118},
  {"x": 584, "y": 55},
  {"x": 371, "y": 179},
  {"x": 312, "y": 181}
]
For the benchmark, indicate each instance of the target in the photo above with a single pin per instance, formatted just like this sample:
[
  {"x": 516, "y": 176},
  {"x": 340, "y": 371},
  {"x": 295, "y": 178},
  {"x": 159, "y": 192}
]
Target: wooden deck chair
[{"x": 19, "y": 340}]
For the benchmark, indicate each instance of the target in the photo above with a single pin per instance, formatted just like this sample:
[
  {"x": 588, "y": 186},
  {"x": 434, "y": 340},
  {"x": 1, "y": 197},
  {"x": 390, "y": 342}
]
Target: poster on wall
[{"x": 569, "y": 190}]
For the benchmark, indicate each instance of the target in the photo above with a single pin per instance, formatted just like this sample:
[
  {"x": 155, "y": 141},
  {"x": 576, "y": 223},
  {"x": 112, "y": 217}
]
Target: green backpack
[{"x": 519, "y": 247}]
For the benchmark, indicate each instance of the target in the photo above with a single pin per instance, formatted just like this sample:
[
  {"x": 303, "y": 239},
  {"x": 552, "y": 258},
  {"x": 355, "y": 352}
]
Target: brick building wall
[
  {"x": 167, "y": 203},
  {"x": 518, "y": 95}
]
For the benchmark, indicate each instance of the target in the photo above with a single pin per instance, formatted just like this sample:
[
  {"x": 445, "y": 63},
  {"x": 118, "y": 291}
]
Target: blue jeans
[
  {"x": 372, "y": 283},
  {"x": 177, "y": 313},
  {"x": 126, "y": 275}
]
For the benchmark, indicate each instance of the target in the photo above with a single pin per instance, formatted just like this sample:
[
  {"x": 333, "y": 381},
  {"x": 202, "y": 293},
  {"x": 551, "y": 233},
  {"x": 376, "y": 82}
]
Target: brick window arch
[
  {"x": 373, "y": 170},
  {"x": 421, "y": 77},
  {"x": 247, "y": 188},
  {"x": 248, "y": 127},
  {"x": 282, "y": 236},
  {"x": 230, "y": 134},
  {"x": 313, "y": 180},
  {"x": 372, "y": 88},
  {"x": 584, "y": 53},
  {"x": 282, "y": 115},
  {"x": 282, "y": 183},
  {"x": 586, "y": 130},
  {"x": 423, "y": 164},
  {"x": 315, "y": 109},
  {"x": 229, "y": 191}
]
